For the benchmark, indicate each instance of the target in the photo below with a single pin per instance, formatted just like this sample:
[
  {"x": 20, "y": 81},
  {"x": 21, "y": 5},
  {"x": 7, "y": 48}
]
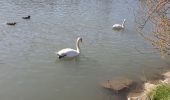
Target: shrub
[{"x": 161, "y": 92}]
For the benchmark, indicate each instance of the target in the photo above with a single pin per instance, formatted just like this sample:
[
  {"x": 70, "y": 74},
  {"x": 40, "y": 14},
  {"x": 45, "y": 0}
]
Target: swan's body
[
  {"x": 119, "y": 26},
  {"x": 68, "y": 52}
]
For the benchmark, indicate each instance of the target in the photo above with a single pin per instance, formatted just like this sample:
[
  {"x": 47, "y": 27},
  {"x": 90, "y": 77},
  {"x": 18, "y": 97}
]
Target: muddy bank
[
  {"x": 136, "y": 90},
  {"x": 148, "y": 87}
]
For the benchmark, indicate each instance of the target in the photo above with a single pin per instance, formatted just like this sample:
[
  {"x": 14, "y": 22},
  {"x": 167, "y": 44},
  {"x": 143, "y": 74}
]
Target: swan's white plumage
[
  {"x": 68, "y": 52},
  {"x": 119, "y": 26}
]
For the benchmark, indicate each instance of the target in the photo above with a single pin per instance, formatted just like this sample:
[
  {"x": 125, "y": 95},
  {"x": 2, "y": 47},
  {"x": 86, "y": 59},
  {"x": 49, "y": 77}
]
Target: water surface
[{"x": 30, "y": 70}]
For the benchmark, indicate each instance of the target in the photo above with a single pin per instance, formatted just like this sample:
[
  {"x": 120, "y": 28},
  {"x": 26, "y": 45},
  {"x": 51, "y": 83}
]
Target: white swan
[
  {"x": 68, "y": 52},
  {"x": 119, "y": 26}
]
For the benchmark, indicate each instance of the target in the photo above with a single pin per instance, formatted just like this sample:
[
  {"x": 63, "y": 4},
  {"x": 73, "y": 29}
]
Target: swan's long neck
[
  {"x": 123, "y": 23},
  {"x": 78, "y": 46}
]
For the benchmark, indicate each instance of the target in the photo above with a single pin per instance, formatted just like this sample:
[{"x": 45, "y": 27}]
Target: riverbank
[
  {"x": 148, "y": 87},
  {"x": 138, "y": 90}
]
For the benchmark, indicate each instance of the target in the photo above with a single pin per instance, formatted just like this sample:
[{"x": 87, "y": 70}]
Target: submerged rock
[{"x": 117, "y": 85}]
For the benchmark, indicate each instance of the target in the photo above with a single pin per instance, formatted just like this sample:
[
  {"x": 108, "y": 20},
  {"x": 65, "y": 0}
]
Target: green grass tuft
[{"x": 161, "y": 92}]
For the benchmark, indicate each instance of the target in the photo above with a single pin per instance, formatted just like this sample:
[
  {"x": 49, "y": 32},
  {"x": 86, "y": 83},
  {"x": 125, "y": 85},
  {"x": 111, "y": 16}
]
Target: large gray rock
[{"x": 117, "y": 85}]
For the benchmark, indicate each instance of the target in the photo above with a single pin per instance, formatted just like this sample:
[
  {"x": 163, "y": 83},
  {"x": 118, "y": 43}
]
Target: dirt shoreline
[{"x": 149, "y": 86}]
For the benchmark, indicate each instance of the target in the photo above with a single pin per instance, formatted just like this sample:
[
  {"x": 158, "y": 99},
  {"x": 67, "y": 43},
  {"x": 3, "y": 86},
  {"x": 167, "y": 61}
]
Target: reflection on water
[{"x": 30, "y": 69}]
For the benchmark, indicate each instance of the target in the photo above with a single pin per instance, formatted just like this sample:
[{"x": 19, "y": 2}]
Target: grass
[{"x": 161, "y": 92}]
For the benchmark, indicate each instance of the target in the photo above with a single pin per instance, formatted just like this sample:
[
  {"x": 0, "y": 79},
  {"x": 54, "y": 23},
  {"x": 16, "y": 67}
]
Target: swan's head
[
  {"x": 124, "y": 20},
  {"x": 79, "y": 39}
]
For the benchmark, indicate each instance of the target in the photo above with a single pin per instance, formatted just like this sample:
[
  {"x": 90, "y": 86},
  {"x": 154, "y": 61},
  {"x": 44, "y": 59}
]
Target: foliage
[
  {"x": 161, "y": 92},
  {"x": 156, "y": 14}
]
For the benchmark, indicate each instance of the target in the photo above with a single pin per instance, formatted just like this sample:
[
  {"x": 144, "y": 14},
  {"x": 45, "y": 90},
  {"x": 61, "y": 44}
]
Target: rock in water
[{"x": 117, "y": 85}]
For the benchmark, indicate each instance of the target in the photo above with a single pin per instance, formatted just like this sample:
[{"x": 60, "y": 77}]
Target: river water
[{"x": 30, "y": 70}]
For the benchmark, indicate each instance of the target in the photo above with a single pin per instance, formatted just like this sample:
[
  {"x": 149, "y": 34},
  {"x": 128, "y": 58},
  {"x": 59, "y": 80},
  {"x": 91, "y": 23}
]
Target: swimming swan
[
  {"x": 68, "y": 52},
  {"x": 119, "y": 26}
]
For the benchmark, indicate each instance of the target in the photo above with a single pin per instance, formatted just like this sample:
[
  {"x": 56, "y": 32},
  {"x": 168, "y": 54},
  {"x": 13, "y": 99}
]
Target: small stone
[
  {"x": 139, "y": 97},
  {"x": 167, "y": 75},
  {"x": 149, "y": 87},
  {"x": 166, "y": 81}
]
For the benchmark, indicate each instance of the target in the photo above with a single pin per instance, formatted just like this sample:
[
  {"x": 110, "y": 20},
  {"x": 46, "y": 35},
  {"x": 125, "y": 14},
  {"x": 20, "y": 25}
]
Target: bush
[{"x": 161, "y": 92}]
